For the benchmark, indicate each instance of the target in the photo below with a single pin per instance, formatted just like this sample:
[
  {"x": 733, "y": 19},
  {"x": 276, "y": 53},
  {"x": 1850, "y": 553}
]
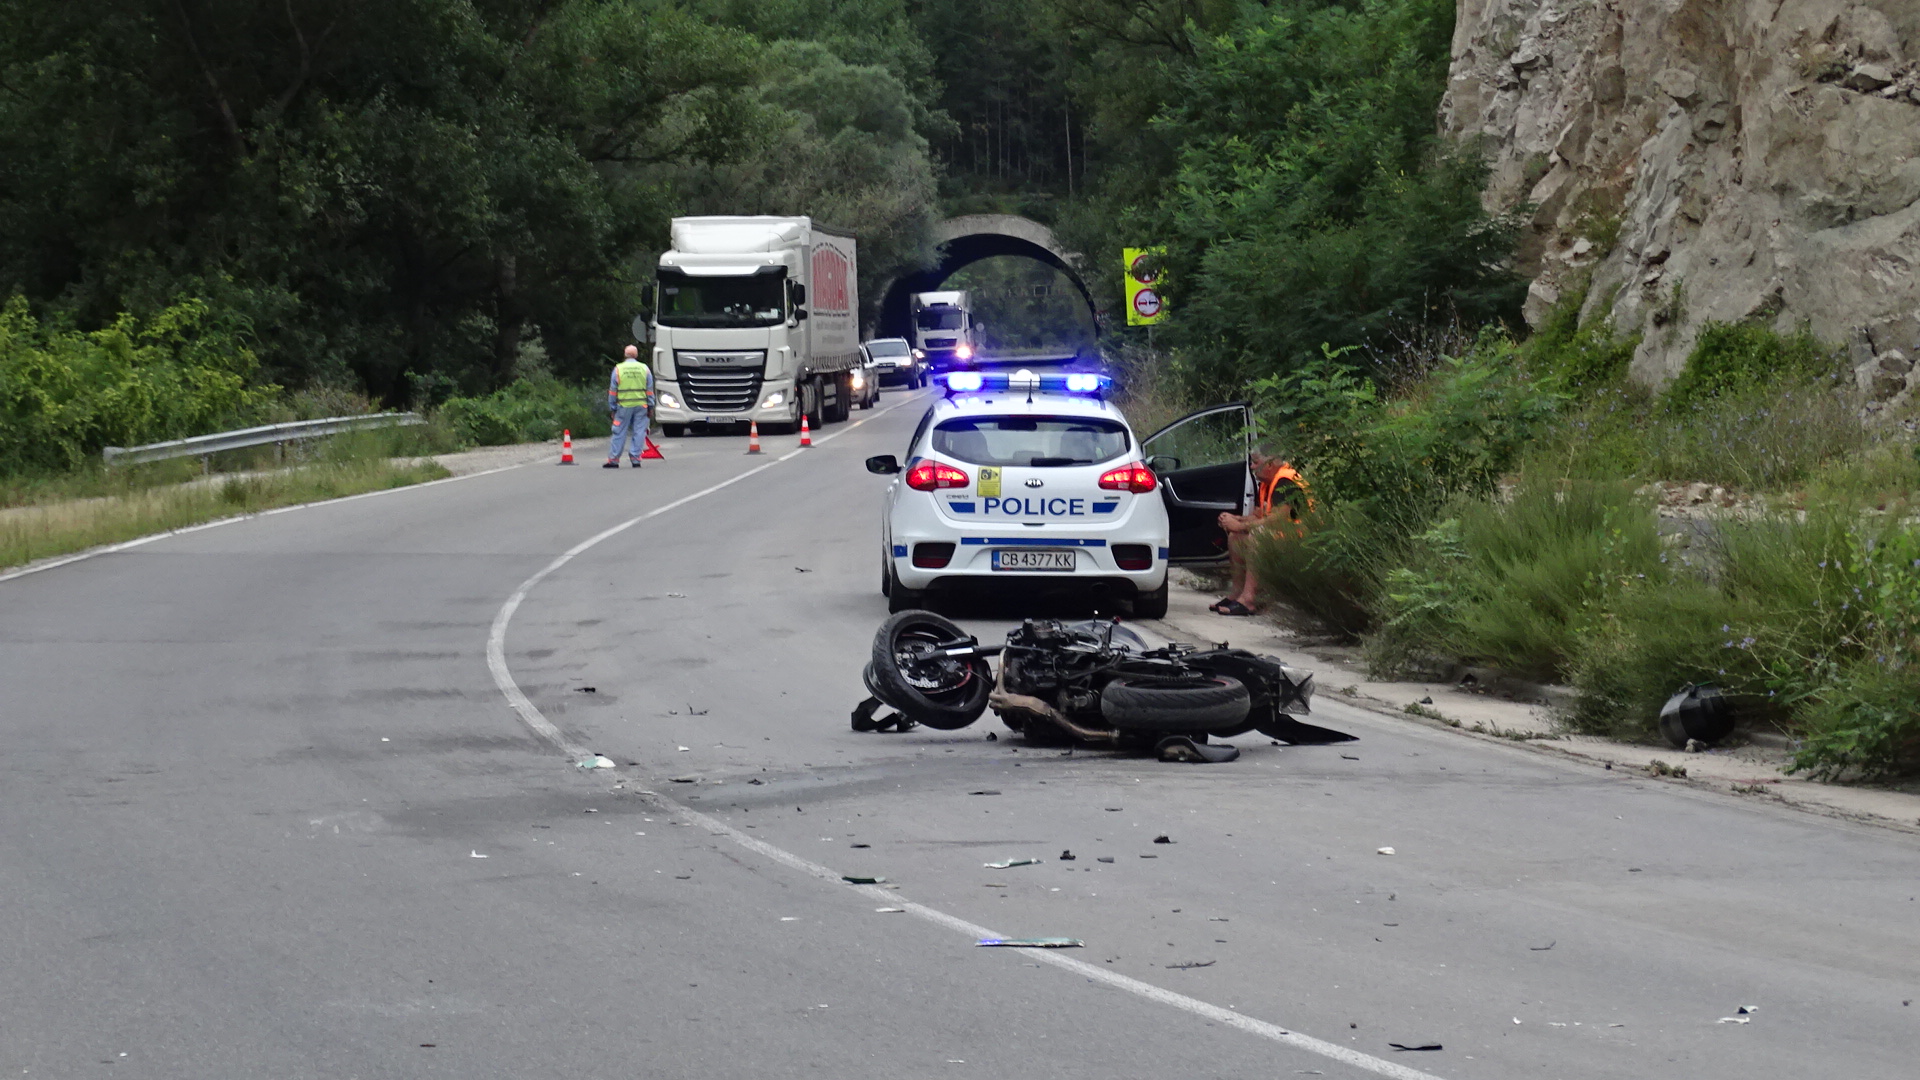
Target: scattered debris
[
  {"x": 1163, "y": 839},
  {"x": 691, "y": 711},
  {"x": 1736, "y": 1020},
  {"x": 684, "y": 749},
  {"x": 476, "y": 855},
  {"x": 1383, "y": 851},
  {"x": 994, "y": 885},
  {"x": 756, "y": 781},
  {"x": 803, "y": 570},
  {"x": 861, "y": 879},
  {"x": 860, "y": 845},
  {"x": 983, "y": 793},
  {"x": 992, "y": 737},
  {"x": 1543, "y": 948},
  {"x": 1747, "y": 1010},
  {"x": 1695, "y": 746},
  {"x": 586, "y": 689},
  {"x": 1113, "y": 809},
  {"x": 1067, "y": 855},
  {"x": 1217, "y": 918},
  {"x": 597, "y": 761},
  {"x": 1426, "y": 701},
  {"x": 689, "y": 780},
  {"x": 1032, "y": 942},
  {"x": 1010, "y": 863},
  {"x": 1421, "y": 1046},
  {"x": 683, "y": 877},
  {"x": 678, "y": 595},
  {"x": 1350, "y": 757},
  {"x": 1149, "y": 856},
  {"x": 1104, "y": 858},
  {"x": 589, "y": 810},
  {"x": 889, "y": 911},
  {"x": 1656, "y": 767},
  {"x": 1191, "y": 964}
]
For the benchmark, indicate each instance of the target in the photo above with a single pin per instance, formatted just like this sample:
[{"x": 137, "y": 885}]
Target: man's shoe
[
  {"x": 611, "y": 465},
  {"x": 636, "y": 463}
]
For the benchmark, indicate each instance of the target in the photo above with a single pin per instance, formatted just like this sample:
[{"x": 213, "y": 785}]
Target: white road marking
[
  {"x": 537, "y": 722},
  {"x": 110, "y": 549}
]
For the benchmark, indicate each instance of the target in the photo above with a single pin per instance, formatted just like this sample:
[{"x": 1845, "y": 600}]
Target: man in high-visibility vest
[
  {"x": 630, "y": 399},
  {"x": 1271, "y": 476}
]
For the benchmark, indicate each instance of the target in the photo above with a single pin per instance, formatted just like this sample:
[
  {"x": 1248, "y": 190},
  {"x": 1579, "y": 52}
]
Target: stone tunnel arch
[{"x": 968, "y": 239}]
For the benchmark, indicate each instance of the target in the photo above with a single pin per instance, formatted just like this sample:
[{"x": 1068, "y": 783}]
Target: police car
[{"x": 1039, "y": 481}]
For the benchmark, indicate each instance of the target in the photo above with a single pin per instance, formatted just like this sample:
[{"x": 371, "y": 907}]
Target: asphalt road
[{"x": 266, "y": 812}]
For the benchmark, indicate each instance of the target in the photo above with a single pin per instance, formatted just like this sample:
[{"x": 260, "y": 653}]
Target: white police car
[{"x": 1039, "y": 480}]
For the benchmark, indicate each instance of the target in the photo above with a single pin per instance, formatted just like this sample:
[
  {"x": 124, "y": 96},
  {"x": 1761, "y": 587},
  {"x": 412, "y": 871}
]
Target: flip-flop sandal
[
  {"x": 1219, "y": 607},
  {"x": 1234, "y": 607}
]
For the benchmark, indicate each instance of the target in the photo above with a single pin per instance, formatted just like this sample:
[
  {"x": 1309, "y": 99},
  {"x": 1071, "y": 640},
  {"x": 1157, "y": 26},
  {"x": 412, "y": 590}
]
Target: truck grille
[
  {"x": 721, "y": 382},
  {"x": 721, "y": 390}
]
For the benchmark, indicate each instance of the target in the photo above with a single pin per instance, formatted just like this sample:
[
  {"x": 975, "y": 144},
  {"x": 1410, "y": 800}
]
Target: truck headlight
[
  {"x": 668, "y": 401},
  {"x": 778, "y": 397}
]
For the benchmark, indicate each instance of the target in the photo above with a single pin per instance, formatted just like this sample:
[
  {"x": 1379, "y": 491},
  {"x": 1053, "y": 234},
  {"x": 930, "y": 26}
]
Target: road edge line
[{"x": 110, "y": 549}]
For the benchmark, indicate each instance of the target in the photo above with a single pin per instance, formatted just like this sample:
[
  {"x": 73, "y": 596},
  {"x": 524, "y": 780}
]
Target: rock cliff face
[{"x": 1707, "y": 160}]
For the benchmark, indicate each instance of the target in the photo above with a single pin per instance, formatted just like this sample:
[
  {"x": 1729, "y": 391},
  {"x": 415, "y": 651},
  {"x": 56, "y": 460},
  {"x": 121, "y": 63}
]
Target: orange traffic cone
[
  {"x": 806, "y": 434},
  {"x": 753, "y": 437},
  {"x": 566, "y": 447},
  {"x": 652, "y": 452}
]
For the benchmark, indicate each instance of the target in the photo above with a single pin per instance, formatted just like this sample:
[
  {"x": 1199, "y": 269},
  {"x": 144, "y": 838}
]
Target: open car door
[{"x": 1204, "y": 462}]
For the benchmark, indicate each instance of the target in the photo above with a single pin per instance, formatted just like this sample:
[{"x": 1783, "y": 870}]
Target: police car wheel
[
  {"x": 1151, "y": 605},
  {"x": 886, "y": 576}
]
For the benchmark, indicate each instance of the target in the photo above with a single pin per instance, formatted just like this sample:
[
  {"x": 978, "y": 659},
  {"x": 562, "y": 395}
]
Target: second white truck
[{"x": 755, "y": 318}]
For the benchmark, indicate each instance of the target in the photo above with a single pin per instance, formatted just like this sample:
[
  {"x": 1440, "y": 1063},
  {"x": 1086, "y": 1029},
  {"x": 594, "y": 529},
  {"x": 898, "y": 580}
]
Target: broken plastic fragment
[
  {"x": 1383, "y": 851},
  {"x": 859, "y": 879},
  {"x": 1736, "y": 1020},
  {"x": 597, "y": 761},
  {"x": 1008, "y": 863},
  {"x": 1105, "y": 858},
  {"x": 1033, "y": 942},
  {"x": 1421, "y": 1046},
  {"x": 890, "y": 910},
  {"x": 475, "y": 855}
]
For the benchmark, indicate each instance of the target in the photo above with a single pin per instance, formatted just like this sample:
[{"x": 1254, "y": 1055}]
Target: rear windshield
[
  {"x": 1031, "y": 441},
  {"x": 887, "y": 348}
]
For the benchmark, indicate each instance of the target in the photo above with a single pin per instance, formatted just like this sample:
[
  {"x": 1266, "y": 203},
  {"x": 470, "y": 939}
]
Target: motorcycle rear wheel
[{"x": 1192, "y": 705}]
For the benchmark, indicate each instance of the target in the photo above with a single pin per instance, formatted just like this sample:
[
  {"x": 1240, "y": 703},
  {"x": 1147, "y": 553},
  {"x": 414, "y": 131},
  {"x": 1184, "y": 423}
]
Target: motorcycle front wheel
[{"x": 940, "y": 692}]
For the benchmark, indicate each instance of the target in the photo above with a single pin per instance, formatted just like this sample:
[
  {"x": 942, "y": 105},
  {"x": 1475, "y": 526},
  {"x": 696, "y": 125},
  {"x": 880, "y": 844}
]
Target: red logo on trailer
[{"x": 829, "y": 291}]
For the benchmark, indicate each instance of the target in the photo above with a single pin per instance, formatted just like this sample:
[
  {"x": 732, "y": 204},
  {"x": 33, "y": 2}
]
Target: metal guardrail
[{"x": 278, "y": 434}]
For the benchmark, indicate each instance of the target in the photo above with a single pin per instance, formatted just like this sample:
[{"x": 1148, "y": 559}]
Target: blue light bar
[{"x": 1074, "y": 382}]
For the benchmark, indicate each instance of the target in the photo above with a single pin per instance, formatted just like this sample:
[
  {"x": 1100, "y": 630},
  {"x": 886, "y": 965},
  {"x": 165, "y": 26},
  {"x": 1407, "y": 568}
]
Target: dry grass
[{"x": 46, "y": 529}]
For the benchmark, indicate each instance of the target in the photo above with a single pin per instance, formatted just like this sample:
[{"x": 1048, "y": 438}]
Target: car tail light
[
  {"x": 934, "y": 475},
  {"x": 1133, "y": 556},
  {"x": 932, "y": 556},
  {"x": 1135, "y": 477}
]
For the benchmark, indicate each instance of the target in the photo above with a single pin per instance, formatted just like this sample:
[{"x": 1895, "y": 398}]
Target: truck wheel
[
  {"x": 1175, "y": 706},
  {"x": 673, "y": 431},
  {"x": 810, "y": 403},
  {"x": 842, "y": 399},
  {"x": 1151, "y": 605}
]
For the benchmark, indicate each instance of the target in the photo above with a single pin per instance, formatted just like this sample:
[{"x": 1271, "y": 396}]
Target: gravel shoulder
[{"x": 1523, "y": 716}]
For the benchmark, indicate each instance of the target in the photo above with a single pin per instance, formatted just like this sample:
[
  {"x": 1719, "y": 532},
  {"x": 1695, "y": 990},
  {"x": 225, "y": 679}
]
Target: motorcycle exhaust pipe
[{"x": 1002, "y": 702}]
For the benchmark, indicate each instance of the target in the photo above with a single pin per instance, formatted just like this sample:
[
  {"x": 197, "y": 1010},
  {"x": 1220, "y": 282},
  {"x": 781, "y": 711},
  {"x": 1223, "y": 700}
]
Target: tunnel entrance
[{"x": 975, "y": 238}]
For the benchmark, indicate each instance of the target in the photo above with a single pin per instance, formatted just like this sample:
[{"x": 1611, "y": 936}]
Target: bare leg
[{"x": 1246, "y": 585}]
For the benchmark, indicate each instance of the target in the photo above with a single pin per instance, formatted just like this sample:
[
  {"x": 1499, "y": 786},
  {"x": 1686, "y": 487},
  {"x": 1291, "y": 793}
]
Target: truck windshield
[
  {"x": 722, "y": 301},
  {"x": 940, "y": 319},
  {"x": 1031, "y": 441}
]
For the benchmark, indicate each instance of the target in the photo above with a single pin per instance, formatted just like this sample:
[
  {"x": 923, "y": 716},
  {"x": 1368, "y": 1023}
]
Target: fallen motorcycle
[{"x": 1095, "y": 683}]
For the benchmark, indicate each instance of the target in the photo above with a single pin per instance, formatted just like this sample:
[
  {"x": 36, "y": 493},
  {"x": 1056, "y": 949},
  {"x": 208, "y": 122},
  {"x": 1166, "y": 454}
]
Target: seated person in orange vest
[{"x": 1269, "y": 473}]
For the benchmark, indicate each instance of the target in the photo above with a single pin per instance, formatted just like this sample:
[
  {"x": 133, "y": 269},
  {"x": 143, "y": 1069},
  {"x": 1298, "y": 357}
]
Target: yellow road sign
[{"x": 1145, "y": 305}]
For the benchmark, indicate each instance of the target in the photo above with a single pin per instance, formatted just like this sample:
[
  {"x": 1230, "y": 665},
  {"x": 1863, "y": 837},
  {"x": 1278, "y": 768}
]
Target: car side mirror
[
  {"x": 799, "y": 293},
  {"x": 1163, "y": 463},
  {"x": 883, "y": 465}
]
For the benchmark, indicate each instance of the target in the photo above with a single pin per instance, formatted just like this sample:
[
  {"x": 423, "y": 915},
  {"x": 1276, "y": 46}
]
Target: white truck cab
[{"x": 755, "y": 319}]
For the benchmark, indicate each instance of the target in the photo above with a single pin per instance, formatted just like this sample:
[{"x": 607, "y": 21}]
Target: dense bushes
[
  {"x": 530, "y": 410},
  {"x": 1495, "y": 511},
  {"x": 65, "y": 394}
]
